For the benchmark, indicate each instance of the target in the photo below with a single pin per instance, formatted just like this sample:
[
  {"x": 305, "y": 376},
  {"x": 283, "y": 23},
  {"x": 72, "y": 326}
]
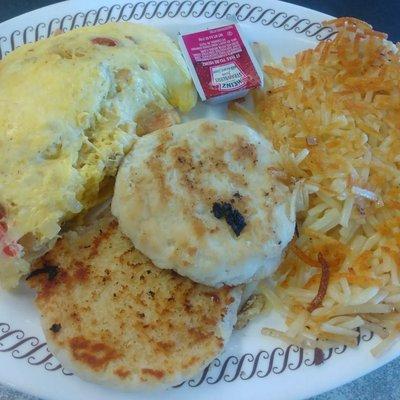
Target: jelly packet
[{"x": 222, "y": 65}]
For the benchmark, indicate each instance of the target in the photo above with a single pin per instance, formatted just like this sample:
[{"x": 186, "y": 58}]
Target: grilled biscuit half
[
  {"x": 112, "y": 317},
  {"x": 202, "y": 198}
]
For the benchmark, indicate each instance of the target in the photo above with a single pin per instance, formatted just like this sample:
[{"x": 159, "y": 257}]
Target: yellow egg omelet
[{"x": 70, "y": 109}]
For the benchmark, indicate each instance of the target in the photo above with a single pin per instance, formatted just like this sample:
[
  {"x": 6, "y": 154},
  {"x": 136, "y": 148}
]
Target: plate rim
[{"x": 211, "y": 9}]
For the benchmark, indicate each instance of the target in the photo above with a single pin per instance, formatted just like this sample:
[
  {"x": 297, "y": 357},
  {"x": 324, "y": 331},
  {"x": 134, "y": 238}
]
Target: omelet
[
  {"x": 112, "y": 317},
  {"x": 71, "y": 107},
  {"x": 202, "y": 198}
]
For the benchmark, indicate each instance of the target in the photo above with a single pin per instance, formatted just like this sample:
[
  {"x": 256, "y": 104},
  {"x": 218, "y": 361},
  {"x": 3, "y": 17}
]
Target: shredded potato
[{"x": 334, "y": 114}]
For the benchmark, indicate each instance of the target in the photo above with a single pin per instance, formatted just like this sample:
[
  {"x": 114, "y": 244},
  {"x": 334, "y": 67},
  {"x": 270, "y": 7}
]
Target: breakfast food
[
  {"x": 333, "y": 112},
  {"x": 112, "y": 317},
  {"x": 146, "y": 297},
  {"x": 202, "y": 198},
  {"x": 69, "y": 110}
]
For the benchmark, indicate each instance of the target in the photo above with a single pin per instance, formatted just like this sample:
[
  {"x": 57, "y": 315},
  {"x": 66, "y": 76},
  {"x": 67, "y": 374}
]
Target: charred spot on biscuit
[
  {"x": 51, "y": 271},
  {"x": 232, "y": 216},
  {"x": 219, "y": 209},
  {"x": 236, "y": 221},
  {"x": 55, "y": 328}
]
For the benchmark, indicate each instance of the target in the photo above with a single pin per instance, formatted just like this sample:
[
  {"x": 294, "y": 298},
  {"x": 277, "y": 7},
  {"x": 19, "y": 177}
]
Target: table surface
[{"x": 382, "y": 384}]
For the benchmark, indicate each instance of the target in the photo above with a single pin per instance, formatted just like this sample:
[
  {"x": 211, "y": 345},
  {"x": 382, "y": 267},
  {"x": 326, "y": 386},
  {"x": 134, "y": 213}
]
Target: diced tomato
[
  {"x": 103, "y": 41},
  {"x": 11, "y": 250},
  {"x": 3, "y": 229}
]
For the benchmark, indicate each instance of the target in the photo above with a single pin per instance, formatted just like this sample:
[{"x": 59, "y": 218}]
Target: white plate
[{"x": 252, "y": 366}]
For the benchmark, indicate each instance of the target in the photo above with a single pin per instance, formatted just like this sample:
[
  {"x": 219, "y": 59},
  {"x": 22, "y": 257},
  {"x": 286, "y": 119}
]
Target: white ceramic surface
[{"x": 252, "y": 366}]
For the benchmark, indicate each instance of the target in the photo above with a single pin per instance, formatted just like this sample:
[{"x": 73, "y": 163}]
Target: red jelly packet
[{"x": 222, "y": 65}]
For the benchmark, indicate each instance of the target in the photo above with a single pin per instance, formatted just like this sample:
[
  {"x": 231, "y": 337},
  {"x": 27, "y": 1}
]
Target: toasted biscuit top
[
  {"x": 112, "y": 317},
  {"x": 200, "y": 198}
]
